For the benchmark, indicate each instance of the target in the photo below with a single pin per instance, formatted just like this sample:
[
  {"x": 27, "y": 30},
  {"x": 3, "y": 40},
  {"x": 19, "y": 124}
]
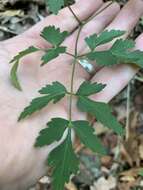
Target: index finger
[{"x": 64, "y": 20}]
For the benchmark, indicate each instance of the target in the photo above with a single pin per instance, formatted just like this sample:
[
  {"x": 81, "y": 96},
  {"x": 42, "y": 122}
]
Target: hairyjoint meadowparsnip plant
[{"x": 62, "y": 159}]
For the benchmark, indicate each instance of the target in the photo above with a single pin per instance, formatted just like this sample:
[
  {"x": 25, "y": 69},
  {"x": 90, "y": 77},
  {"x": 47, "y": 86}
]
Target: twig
[
  {"x": 128, "y": 112},
  {"x": 76, "y": 17},
  {"x": 140, "y": 79}
]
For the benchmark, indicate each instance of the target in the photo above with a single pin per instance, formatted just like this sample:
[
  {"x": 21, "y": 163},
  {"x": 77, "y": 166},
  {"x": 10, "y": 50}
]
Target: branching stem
[
  {"x": 96, "y": 14},
  {"x": 70, "y": 54},
  {"x": 73, "y": 72},
  {"x": 76, "y": 17},
  {"x": 76, "y": 56}
]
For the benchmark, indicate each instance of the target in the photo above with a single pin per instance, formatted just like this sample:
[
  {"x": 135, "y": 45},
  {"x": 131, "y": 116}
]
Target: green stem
[
  {"x": 89, "y": 19},
  {"x": 70, "y": 54},
  {"x": 96, "y": 14},
  {"x": 73, "y": 72},
  {"x": 81, "y": 25},
  {"x": 68, "y": 93},
  {"x": 83, "y": 55},
  {"x": 76, "y": 17}
]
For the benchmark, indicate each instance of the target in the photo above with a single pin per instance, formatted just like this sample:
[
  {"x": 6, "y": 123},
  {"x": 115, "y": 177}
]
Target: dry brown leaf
[
  {"x": 130, "y": 174},
  {"x": 141, "y": 151},
  {"x": 11, "y": 13},
  {"x": 71, "y": 186},
  {"x": 4, "y": 2},
  {"x": 106, "y": 161},
  {"x": 130, "y": 147},
  {"x": 129, "y": 179},
  {"x": 104, "y": 184},
  {"x": 100, "y": 129}
]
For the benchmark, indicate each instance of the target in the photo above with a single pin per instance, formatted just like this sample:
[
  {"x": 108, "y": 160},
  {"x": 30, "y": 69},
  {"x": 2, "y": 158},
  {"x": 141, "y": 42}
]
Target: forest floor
[{"x": 122, "y": 169}]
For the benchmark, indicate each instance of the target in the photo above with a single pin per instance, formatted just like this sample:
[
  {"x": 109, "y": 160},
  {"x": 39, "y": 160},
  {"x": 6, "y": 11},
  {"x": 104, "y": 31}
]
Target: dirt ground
[{"x": 122, "y": 168}]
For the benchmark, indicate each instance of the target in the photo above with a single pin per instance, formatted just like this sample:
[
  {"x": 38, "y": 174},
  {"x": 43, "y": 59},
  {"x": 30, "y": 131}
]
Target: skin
[{"x": 21, "y": 165}]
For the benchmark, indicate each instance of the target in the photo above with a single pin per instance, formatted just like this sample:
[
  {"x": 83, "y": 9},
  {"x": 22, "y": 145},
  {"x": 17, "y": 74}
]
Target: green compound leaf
[
  {"x": 139, "y": 63},
  {"x": 68, "y": 2},
  {"x": 122, "y": 45},
  {"x": 54, "y": 132},
  {"x": 85, "y": 132},
  {"x": 55, "y": 5},
  {"x": 91, "y": 41},
  {"x": 55, "y": 88},
  {"x": 87, "y": 88},
  {"x": 53, "y": 35},
  {"x": 64, "y": 163},
  {"x": 23, "y": 53},
  {"x": 131, "y": 56},
  {"x": 103, "y": 58},
  {"x": 106, "y": 36},
  {"x": 135, "y": 57},
  {"x": 102, "y": 113},
  {"x": 13, "y": 76},
  {"x": 118, "y": 53},
  {"x": 38, "y": 103},
  {"x": 16, "y": 61},
  {"x": 52, "y": 54}
]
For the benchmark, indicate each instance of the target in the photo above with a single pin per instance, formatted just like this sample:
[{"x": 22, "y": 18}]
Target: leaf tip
[
  {"x": 21, "y": 117},
  {"x": 36, "y": 145},
  {"x": 15, "y": 82}
]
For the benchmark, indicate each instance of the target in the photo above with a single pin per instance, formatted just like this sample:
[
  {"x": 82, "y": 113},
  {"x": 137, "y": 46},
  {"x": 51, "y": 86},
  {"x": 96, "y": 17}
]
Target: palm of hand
[{"x": 22, "y": 135}]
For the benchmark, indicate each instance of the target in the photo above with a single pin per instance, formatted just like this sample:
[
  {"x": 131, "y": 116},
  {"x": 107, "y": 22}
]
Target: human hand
[{"x": 21, "y": 165}]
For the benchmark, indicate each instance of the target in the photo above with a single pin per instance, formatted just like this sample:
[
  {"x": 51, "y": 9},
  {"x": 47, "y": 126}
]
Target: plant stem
[
  {"x": 96, "y": 14},
  {"x": 128, "y": 113},
  {"x": 70, "y": 54},
  {"x": 89, "y": 19},
  {"x": 140, "y": 79},
  {"x": 73, "y": 72},
  {"x": 83, "y": 55},
  {"x": 81, "y": 25},
  {"x": 76, "y": 17}
]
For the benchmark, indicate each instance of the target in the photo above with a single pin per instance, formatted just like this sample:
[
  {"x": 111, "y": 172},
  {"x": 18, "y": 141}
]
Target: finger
[
  {"x": 126, "y": 20},
  {"x": 96, "y": 25},
  {"x": 128, "y": 16},
  {"x": 116, "y": 77},
  {"x": 64, "y": 20}
]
